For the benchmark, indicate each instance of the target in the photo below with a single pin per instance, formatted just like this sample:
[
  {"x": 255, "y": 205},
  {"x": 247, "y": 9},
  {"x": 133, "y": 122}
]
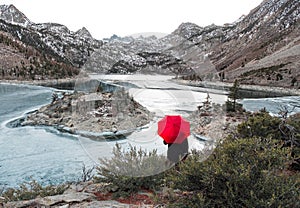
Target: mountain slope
[
  {"x": 266, "y": 29},
  {"x": 272, "y": 57},
  {"x": 52, "y": 46},
  {"x": 24, "y": 62},
  {"x": 264, "y": 42}
]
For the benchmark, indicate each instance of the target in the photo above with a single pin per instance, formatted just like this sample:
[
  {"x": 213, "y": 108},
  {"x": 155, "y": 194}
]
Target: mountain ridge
[
  {"x": 259, "y": 48},
  {"x": 239, "y": 47}
]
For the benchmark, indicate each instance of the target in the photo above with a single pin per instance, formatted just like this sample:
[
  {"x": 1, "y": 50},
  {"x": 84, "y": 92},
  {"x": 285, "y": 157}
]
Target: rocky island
[{"x": 95, "y": 115}]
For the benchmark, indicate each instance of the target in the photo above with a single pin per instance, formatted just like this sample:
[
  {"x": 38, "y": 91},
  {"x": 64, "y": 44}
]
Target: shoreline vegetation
[
  {"x": 250, "y": 179},
  {"x": 256, "y": 165},
  {"x": 249, "y": 90},
  {"x": 254, "y": 91}
]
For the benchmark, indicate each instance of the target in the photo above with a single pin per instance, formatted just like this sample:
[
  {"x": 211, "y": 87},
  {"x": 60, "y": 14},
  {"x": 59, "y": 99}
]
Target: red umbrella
[{"x": 173, "y": 129}]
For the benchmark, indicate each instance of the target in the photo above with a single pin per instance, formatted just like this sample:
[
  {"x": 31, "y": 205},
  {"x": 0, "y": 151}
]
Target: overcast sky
[{"x": 104, "y": 18}]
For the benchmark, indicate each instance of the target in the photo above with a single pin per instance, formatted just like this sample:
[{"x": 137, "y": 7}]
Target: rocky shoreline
[
  {"x": 83, "y": 194},
  {"x": 249, "y": 91},
  {"x": 65, "y": 84},
  {"x": 211, "y": 122}
]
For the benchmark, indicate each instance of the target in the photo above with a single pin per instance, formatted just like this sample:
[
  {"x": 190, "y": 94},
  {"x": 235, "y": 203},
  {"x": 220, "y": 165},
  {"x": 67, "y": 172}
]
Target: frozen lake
[{"x": 52, "y": 157}]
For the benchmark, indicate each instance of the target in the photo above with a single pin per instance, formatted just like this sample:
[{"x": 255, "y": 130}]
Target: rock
[
  {"x": 78, "y": 187},
  {"x": 43, "y": 109},
  {"x": 114, "y": 130},
  {"x": 55, "y": 115},
  {"x": 22, "y": 204},
  {"x": 64, "y": 206},
  {"x": 93, "y": 188},
  {"x": 75, "y": 197},
  {"x": 102, "y": 204},
  {"x": 42, "y": 122},
  {"x": 64, "y": 107}
]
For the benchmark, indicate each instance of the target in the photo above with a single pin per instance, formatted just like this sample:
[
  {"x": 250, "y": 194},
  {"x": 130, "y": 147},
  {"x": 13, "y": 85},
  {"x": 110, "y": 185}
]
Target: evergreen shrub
[
  {"x": 247, "y": 170},
  {"x": 130, "y": 171}
]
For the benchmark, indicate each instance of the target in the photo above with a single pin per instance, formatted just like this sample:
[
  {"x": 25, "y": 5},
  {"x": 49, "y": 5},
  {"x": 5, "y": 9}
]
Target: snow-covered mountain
[
  {"x": 11, "y": 14},
  {"x": 56, "y": 39},
  {"x": 259, "y": 48},
  {"x": 171, "y": 54},
  {"x": 74, "y": 47},
  {"x": 126, "y": 55},
  {"x": 265, "y": 40}
]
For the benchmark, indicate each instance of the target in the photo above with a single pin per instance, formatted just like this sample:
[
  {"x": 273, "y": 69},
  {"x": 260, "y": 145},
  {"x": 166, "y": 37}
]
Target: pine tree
[{"x": 233, "y": 96}]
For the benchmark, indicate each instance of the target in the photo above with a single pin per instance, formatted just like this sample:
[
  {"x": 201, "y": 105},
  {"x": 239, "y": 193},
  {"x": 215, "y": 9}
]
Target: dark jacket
[{"x": 177, "y": 152}]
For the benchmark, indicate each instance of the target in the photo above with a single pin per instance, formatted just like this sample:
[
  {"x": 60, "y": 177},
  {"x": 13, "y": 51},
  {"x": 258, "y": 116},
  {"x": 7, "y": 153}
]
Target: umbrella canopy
[{"x": 173, "y": 129}]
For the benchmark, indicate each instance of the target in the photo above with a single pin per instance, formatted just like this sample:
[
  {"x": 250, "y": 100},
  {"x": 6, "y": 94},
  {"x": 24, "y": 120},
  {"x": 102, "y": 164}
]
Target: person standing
[{"x": 177, "y": 152}]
